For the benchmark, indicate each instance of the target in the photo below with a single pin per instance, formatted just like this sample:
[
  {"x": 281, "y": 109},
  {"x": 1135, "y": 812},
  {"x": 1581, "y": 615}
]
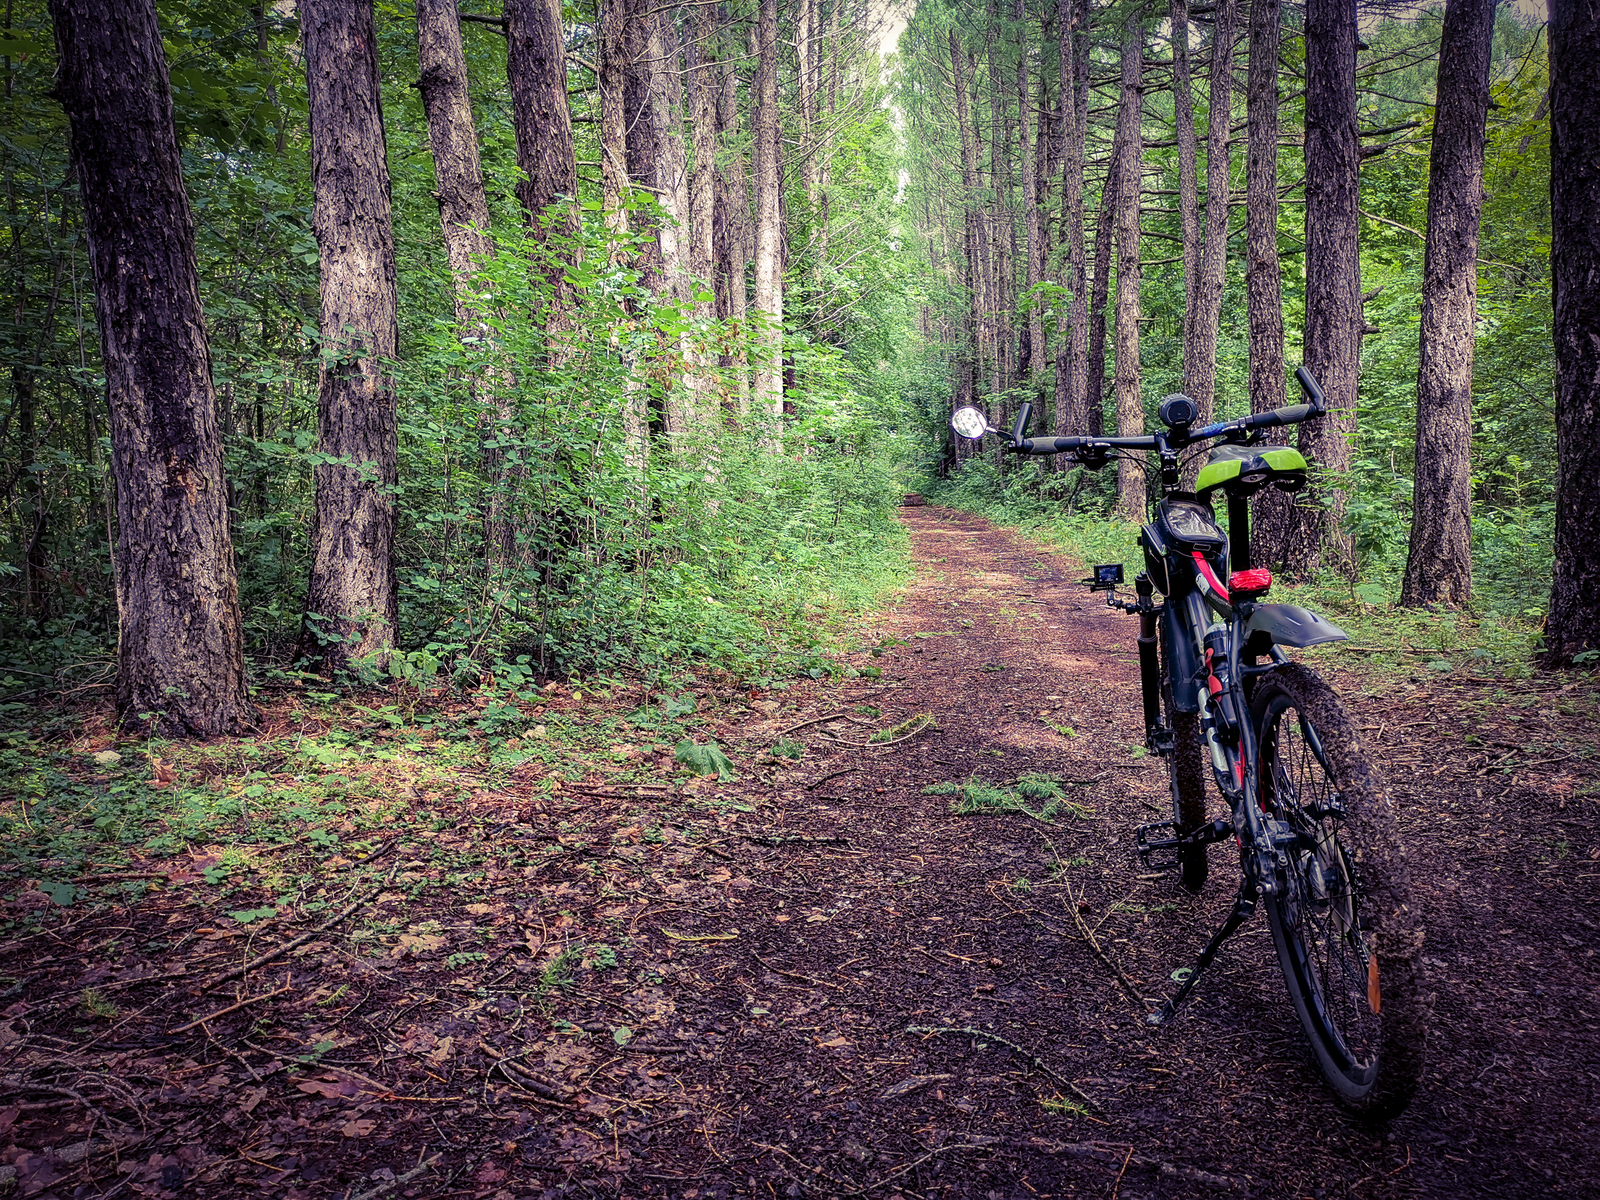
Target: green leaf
[
  {"x": 245, "y": 915},
  {"x": 704, "y": 760},
  {"x": 622, "y": 1035}
]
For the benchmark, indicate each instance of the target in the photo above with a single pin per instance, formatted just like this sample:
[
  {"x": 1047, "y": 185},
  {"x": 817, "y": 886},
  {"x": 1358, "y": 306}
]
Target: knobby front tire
[
  {"x": 1347, "y": 936},
  {"x": 1186, "y": 770}
]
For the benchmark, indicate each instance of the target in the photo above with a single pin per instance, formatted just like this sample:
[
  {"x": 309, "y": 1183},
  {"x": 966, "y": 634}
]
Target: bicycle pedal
[{"x": 1150, "y": 847}]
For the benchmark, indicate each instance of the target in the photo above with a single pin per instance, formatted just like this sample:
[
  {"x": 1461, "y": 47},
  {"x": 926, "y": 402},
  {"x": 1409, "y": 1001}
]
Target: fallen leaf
[
  {"x": 910, "y": 1084},
  {"x": 358, "y": 1128},
  {"x": 834, "y": 1043}
]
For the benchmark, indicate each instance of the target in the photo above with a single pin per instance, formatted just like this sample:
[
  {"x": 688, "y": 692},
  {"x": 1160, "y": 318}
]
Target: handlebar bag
[{"x": 1245, "y": 470}]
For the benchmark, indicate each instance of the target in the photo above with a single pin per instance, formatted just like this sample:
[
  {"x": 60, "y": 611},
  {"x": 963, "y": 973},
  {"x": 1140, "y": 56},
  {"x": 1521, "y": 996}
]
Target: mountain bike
[{"x": 1315, "y": 827}]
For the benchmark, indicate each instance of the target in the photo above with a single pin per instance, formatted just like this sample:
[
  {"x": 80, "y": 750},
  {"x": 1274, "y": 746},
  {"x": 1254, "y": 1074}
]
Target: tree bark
[
  {"x": 1072, "y": 332},
  {"x": 1333, "y": 327},
  {"x": 1573, "y": 626},
  {"x": 1129, "y": 167},
  {"x": 536, "y": 65},
  {"x": 1439, "y": 562},
  {"x": 464, "y": 217},
  {"x": 351, "y": 603},
  {"x": 975, "y": 355},
  {"x": 1033, "y": 360},
  {"x": 1200, "y": 341},
  {"x": 180, "y": 649},
  {"x": 1000, "y": 230},
  {"x": 613, "y": 75},
  {"x": 1188, "y": 179},
  {"x": 1270, "y": 510},
  {"x": 768, "y": 398},
  {"x": 734, "y": 247}
]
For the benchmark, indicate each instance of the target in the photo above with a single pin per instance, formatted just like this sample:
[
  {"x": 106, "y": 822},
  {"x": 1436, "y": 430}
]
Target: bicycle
[{"x": 1314, "y": 824}]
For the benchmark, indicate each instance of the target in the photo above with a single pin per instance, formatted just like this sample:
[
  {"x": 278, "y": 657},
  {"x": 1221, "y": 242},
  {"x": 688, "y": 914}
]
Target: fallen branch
[
  {"x": 793, "y": 974},
  {"x": 389, "y": 1184},
  {"x": 1088, "y": 936},
  {"x": 269, "y": 956},
  {"x": 989, "y": 1035},
  {"x": 814, "y": 721},
  {"x": 222, "y": 1012},
  {"x": 826, "y": 778}
]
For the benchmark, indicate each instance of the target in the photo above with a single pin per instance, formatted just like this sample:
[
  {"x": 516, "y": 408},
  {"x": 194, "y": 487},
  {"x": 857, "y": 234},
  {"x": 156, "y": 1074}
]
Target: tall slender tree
[
  {"x": 1439, "y": 562},
  {"x": 180, "y": 644},
  {"x": 1263, "y": 274},
  {"x": 1072, "y": 349},
  {"x": 536, "y": 64},
  {"x": 768, "y": 231},
  {"x": 1200, "y": 333},
  {"x": 1573, "y": 626},
  {"x": 1129, "y": 161},
  {"x": 971, "y": 366},
  {"x": 1032, "y": 222},
  {"x": 464, "y": 218},
  {"x": 1334, "y": 322},
  {"x": 352, "y": 599}
]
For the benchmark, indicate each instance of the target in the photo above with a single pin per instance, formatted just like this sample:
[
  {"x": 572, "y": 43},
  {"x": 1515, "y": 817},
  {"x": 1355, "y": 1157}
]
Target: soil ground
[{"x": 818, "y": 980}]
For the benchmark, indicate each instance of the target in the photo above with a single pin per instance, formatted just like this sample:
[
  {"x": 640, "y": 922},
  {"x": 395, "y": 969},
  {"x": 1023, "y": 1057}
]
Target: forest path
[{"x": 816, "y": 979}]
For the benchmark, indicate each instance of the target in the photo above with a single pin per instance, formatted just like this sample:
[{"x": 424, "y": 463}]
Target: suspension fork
[{"x": 1149, "y": 658}]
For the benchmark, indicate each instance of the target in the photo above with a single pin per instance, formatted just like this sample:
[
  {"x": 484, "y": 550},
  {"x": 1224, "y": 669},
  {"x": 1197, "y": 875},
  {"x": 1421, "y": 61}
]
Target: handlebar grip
[
  {"x": 1293, "y": 414},
  {"x": 1043, "y": 445},
  {"x": 1313, "y": 390}
]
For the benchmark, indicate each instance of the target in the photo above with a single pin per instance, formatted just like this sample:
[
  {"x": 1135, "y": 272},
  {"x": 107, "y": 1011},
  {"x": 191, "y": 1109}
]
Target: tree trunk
[
  {"x": 1439, "y": 564},
  {"x": 351, "y": 602},
  {"x": 1270, "y": 510},
  {"x": 464, "y": 217},
  {"x": 975, "y": 354},
  {"x": 180, "y": 647},
  {"x": 1129, "y": 168},
  {"x": 639, "y": 111},
  {"x": 768, "y": 232},
  {"x": 1188, "y": 178},
  {"x": 1072, "y": 362},
  {"x": 1332, "y": 335},
  {"x": 1573, "y": 626},
  {"x": 1200, "y": 336},
  {"x": 536, "y": 64},
  {"x": 735, "y": 247},
  {"x": 612, "y": 80},
  {"x": 1000, "y": 271},
  {"x": 1034, "y": 359}
]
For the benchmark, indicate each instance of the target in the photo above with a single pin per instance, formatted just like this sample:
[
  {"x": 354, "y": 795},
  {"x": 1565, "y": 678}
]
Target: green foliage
[
  {"x": 975, "y": 797},
  {"x": 706, "y": 759}
]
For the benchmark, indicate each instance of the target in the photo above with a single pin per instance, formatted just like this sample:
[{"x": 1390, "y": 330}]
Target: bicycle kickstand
[{"x": 1244, "y": 904}]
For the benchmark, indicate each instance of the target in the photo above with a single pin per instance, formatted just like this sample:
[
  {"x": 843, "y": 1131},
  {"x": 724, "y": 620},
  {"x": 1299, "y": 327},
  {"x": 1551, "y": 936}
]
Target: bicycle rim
[{"x": 1363, "y": 1010}]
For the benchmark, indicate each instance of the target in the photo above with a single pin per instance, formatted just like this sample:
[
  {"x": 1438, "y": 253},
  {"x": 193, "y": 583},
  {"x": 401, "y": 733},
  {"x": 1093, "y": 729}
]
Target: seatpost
[{"x": 1239, "y": 531}]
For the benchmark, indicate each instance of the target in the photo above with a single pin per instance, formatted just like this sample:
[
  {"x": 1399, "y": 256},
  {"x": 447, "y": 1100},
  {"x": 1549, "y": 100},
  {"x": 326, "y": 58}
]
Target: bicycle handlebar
[{"x": 1291, "y": 414}]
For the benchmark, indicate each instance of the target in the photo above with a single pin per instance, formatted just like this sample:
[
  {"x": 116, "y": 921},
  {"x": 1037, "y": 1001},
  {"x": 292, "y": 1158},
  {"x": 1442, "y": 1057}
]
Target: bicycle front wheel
[{"x": 1347, "y": 938}]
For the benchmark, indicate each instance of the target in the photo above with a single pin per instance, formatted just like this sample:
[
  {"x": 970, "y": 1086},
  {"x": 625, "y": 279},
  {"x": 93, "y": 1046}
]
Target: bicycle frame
[{"x": 1214, "y": 636}]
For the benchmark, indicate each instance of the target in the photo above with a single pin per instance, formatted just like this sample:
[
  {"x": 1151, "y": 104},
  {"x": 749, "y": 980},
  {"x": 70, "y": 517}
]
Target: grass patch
[{"x": 1037, "y": 796}]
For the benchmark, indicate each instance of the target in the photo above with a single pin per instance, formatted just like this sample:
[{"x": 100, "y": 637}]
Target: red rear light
[{"x": 1254, "y": 582}]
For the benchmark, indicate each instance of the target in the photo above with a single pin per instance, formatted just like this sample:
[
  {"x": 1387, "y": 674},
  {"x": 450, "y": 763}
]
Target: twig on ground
[
  {"x": 1088, "y": 936},
  {"x": 269, "y": 956},
  {"x": 1121, "y": 1171},
  {"x": 389, "y": 1184},
  {"x": 814, "y": 721},
  {"x": 813, "y": 786},
  {"x": 989, "y": 1035},
  {"x": 776, "y": 970},
  {"x": 222, "y": 1012}
]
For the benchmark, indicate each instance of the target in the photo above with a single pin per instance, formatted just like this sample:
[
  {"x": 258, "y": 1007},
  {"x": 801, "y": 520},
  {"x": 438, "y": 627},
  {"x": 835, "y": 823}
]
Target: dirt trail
[{"x": 832, "y": 985}]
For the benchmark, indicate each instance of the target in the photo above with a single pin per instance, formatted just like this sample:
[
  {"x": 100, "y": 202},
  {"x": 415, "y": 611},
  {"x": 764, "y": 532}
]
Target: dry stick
[
  {"x": 990, "y": 1036},
  {"x": 793, "y": 974},
  {"x": 389, "y": 1184},
  {"x": 264, "y": 959},
  {"x": 233, "y": 1054},
  {"x": 222, "y": 1012},
  {"x": 825, "y": 778},
  {"x": 1121, "y": 1172},
  {"x": 1088, "y": 936},
  {"x": 814, "y": 721}
]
